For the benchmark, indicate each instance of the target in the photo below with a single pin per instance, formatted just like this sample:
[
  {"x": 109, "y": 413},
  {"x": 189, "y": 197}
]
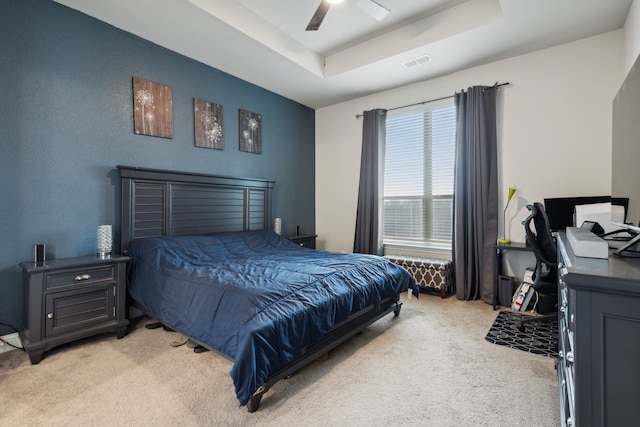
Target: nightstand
[
  {"x": 304, "y": 240},
  {"x": 72, "y": 298}
]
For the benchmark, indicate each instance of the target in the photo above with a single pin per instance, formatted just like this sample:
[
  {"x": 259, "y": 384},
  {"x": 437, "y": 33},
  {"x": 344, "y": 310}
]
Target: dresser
[
  {"x": 599, "y": 339},
  {"x": 72, "y": 298}
]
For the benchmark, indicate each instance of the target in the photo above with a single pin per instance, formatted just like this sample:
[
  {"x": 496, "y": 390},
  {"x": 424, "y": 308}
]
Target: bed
[{"x": 205, "y": 263}]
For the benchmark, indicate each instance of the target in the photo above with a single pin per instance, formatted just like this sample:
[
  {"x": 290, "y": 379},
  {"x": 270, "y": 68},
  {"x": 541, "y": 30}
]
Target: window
[{"x": 418, "y": 177}]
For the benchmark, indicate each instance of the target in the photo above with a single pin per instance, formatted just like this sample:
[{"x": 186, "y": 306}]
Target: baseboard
[{"x": 13, "y": 339}]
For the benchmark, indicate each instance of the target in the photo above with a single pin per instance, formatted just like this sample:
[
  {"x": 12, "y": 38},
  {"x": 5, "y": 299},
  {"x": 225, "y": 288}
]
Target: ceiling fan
[{"x": 374, "y": 9}]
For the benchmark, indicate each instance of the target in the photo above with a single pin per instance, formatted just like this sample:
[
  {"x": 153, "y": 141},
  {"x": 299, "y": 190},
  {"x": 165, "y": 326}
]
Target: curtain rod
[{"x": 430, "y": 100}]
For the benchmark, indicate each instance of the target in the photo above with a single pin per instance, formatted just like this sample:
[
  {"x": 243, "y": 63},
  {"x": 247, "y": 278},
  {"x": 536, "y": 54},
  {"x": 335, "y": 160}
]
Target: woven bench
[{"x": 429, "y": 273}]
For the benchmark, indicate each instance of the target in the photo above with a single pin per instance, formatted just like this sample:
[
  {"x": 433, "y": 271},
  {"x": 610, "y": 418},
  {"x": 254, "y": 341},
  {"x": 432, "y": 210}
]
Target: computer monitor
[{"x": 560, "y": 210}]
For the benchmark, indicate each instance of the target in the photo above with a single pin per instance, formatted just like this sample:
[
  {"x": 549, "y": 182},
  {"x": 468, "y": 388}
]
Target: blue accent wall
[{"x": 66, "y": 121}]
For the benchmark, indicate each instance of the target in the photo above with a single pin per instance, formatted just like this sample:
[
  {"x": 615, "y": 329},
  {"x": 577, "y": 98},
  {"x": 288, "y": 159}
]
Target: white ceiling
[{"x": 264, "y": 41}]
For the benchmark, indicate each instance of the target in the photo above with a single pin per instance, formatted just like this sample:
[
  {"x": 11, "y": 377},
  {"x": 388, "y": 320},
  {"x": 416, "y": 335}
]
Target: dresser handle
[
  {"x": 50, "y": 316},
  {"x": 83, "y": 277}
]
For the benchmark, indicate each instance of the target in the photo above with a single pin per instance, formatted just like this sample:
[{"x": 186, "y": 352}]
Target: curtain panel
[
  {"x": 368, "y": 234},
  {"x": 475, "y": 207}
]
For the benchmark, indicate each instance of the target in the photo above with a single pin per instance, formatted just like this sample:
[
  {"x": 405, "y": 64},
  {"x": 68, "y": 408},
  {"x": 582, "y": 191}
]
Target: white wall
[
  {"x": 631, "y": 42},
  {"x": 554, "y": 131}
]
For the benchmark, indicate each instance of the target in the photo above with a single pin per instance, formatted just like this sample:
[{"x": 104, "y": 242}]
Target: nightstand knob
[
  {"x": 50, "y": 316},
  {"x": 83, "y": 277}
]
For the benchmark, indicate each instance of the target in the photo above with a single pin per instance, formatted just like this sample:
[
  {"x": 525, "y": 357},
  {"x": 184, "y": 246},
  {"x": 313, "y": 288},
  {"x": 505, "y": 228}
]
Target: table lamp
[
  {"x": 504, "y": 240},
  {"x": 104, "y": 240}
]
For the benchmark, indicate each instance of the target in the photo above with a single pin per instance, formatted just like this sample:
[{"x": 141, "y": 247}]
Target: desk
[
  {"x": 599, "y": 339},
  {"x": 499, "y": 250}
]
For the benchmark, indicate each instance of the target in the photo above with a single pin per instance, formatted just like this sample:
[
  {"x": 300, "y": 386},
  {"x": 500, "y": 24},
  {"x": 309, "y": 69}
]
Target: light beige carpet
[{"x": 431, "y": 366}]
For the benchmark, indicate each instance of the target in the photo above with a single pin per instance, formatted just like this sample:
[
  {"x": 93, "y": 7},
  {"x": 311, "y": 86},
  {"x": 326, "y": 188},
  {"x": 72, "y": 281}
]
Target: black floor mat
[{"x": 538, "y": 338}]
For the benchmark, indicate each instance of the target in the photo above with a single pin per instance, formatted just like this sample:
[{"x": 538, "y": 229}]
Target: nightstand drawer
[
  {"x": 304, "y": 240},
  {"x": 82, "y": 276},
  {"x": 70, "y": 310}
]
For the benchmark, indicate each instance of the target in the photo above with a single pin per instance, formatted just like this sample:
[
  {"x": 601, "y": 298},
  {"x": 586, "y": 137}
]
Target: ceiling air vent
[{"x": 410, "y": 63}]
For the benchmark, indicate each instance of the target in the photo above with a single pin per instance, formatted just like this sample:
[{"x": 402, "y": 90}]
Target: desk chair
[{"x": 545, "y": 275}]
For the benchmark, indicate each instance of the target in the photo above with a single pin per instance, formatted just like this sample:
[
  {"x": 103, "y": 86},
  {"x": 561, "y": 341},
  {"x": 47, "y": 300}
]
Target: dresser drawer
[
  {"x": 566, "y": 364},
  {"x": 80, "y": 277},
  {"x": 566, "y": 399}
]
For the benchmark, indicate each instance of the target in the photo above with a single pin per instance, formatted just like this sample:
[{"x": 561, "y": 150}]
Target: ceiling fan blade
[
  {"x": 317, "y": 17},
  {"x": 372, "y": 8}
]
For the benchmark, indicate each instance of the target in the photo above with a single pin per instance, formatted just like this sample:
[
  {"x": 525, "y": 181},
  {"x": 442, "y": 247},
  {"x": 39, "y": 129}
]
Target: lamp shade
[{"x": 104, "y": 240}]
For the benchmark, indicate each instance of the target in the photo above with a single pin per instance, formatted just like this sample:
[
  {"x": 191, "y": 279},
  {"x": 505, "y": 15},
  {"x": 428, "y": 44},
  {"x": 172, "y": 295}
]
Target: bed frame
[{"x": 169, "y": 203}]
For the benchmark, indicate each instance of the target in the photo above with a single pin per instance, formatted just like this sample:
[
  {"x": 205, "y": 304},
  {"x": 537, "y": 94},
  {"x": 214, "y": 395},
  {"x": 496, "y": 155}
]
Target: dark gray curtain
[
  {"x": 368, "y": 238},
  {"x": 475, "y": 206}
]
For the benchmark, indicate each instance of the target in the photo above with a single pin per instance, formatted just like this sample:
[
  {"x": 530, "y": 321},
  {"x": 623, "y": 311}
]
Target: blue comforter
[{"x": 255, "y": 296}]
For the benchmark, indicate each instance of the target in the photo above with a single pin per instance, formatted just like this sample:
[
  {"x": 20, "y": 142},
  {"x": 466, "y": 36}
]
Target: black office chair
[{"x": 545, "y": 275}]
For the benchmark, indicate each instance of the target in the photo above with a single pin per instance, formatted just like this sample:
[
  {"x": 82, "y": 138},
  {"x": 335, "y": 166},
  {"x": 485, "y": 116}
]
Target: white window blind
[{"x": 418, "y": 176}]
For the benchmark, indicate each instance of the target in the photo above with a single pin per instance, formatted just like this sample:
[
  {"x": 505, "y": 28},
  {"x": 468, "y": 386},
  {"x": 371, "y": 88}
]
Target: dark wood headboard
[{"x": 169, "y": 203}]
